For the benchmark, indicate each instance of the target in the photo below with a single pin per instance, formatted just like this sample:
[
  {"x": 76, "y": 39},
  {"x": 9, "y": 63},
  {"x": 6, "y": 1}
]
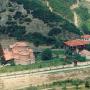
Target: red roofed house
[
  {"x": 20, "y": 52},
  {"x": 78, "y": 43},
  {"x": 85, "y": 39}
]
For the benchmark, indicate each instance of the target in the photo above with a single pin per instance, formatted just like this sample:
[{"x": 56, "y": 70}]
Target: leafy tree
[
  {"x": 85, "y": 29},
  {"x": 76, "y": 83},
  {"x": 68, "y": 52},
  {"x": 80, "y": 58},
  {"x": 46, "y": 54},
  {"x": 18, "y": 15},
  {"x": 83, "y": 12},
  {"x": 64, "y": 86},
  {"x": 39, "y": 39},
  {"x": 54, "y": 31},
  {"x": 59, "y": 44},
  {"x": 2, "y": 59},
  {"x": 88, "y": 47},
  {"x": 41, "y": 12},
  {"x": 27, "y": 20},
  {"x": 87, "y": 83},
  {"x": 11, "y": 62}
]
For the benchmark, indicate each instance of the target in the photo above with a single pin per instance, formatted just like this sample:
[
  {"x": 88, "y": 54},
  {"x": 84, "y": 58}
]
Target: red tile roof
[
  {"x": 76, "y": 42},
  {"x": 85, "y": 36}
]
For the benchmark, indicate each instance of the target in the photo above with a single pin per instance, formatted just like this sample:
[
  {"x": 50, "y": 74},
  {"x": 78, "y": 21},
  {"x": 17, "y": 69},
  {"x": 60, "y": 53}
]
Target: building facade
[{"x": 20, "y": 52}]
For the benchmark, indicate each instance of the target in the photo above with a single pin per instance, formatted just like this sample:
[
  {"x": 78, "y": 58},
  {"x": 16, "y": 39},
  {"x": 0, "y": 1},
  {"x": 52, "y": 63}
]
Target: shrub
[
  {"x": 11, "y": 62},
  {"x": 87, "y": 83},
  {"x": 27, "y": 20},
  {"x": 46, "y": 54},
  {"x": 83, "y": 12},
  {"x": 54, "y": 31},
  {"x": 80, "y": 58},
  {"x": 18, "y": 15}
]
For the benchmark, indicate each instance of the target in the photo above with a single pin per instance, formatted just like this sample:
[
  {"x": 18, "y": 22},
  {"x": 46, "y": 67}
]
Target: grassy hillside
[
  {"x": 84, "y": 13},
  {"x": 62, "y": 7},
  {"x": 32, "y": 21}
]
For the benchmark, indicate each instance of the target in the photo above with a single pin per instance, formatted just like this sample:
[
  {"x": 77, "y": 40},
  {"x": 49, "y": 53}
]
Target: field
[
  {"x": 72, "y": 80},
  {"x": 63, "y": 85},
  {"x": 58, "y": 88}
]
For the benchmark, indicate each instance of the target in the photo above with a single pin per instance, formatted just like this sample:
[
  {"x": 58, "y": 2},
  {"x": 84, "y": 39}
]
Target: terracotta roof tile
[
  {"x": 76, "y": 42},
  {"x": 85, "y": 36}
]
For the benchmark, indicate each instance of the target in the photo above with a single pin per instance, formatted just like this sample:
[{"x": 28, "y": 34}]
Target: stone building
[{"x": 20, "y": 52}]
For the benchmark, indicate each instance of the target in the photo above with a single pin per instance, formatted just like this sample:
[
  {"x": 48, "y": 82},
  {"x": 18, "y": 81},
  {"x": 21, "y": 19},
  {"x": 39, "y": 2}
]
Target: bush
[
  {"x": 87, "y": 84},
  {"x": 27, "y": 20},
  {"x": 46, "y": 54},
  {"x": 77, "y": 82},
  {"x": 18, "y": 15},
  {"x": 83, "y": 12},
  {"x": 80, "y": 58},
  {"x": 88, "y": 46},
  {"x": 85, "y": 29},
  {"x": 54, "y": 31}
]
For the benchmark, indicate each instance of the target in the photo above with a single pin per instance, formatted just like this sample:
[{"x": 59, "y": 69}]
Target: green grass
[
  {"x": 60, "y": 85},
  {"x": 85, "y": 4},
  {"x": 62, "y": 7},
  {"x": 38, "y": 64},
  {"x": 60, "y": 52},
  {"x": 88, "y": 24}
]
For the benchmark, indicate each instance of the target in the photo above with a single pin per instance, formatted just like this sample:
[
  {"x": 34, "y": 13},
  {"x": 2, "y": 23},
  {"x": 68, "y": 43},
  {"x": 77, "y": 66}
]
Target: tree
[
  {"x": 83, "y": 12},
  {"x": 80, "y": 58},
  {"x": 11, "y": 62},
  {"x": 64, "y": 86},
  {"x": 54, "y": 31},
  {"x": 87, "y": 83},
  {"x": 76, "y": 82},
  {"x": 68, "y": 52},
  {"x": 88, "y": 46},
  {"x": 18, "y": 15},
  {"x": 85, "y": 29},
  {"x": 46, "y": 54},
  {"x": 2, "y": 59}
]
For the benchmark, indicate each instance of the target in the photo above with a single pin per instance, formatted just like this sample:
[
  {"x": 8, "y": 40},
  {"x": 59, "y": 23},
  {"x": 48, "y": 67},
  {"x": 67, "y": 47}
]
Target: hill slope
[{"x": 32, "y": 20}]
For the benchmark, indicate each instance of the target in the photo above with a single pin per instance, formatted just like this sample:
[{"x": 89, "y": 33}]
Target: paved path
[
  {"x": 61, "y": 70},
  {"x": 44, "y": 71}
]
